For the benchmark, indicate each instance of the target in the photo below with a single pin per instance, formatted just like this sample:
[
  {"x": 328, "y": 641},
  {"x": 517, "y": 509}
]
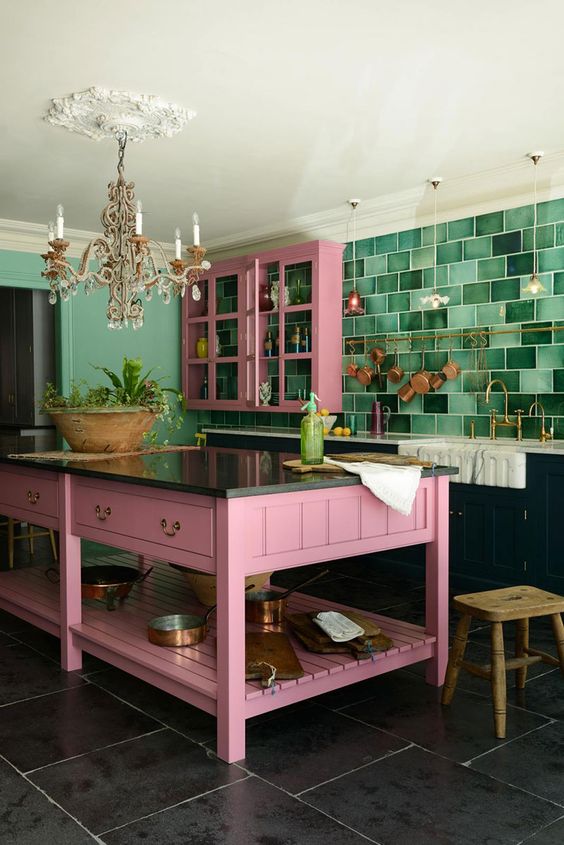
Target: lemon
[
  {"x": 324, "y": 412},
  {"x": 338, "y": 431},
  {"x": 346, "y": 432},
  {"x": 325, "y": 430}
]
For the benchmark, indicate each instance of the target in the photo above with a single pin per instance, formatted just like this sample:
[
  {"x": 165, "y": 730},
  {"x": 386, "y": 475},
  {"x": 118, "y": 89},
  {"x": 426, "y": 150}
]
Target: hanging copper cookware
[
  {"x": 365, "y": 374},
  {"x": 395, "y": 373},
  {"x": 421, "y": 380},
  {"x": 352, "y": 368},
  {"x": 406, "y": 391},
  {"x": 378, "y": 355}
]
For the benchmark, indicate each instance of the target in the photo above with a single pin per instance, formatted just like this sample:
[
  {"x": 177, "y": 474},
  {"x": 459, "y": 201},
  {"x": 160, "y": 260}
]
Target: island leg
[
  {"x": 436, "y": 584},
  {"x": 70, "y": 590},
  {"x": 230, "y": 533}
]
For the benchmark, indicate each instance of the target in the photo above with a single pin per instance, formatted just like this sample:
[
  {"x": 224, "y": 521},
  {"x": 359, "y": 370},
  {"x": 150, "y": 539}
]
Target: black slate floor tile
[
  {"x": 9, "y": 624},
  {"x": 418, "y": 798},
  {"x": 543, "y": 695},
  {"x": 409, "y": 708},
  {"x": 534, "y": 762},
  {"x": 24, "y": 674},
  {"x": 27, "y": 817},
  {"x": 44, "y": 730},
  {"x": 296, "y": 754},
  {"x": 133, "y": 779},
  {"x": 553, "y": 834},
  {"x": 250, "y": 812},
  {"x": 190, "y": 721},
  {"x": 50, "y": 646},
  {"x": 6, "y": 639},
  {"x": 354, "y": 592}
]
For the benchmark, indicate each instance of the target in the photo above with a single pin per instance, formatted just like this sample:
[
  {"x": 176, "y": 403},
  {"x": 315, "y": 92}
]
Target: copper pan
[
  {"x": 421, "y": 380},
  {"x": 268, "y": 606},
  {"x": 395, "y": 373}
]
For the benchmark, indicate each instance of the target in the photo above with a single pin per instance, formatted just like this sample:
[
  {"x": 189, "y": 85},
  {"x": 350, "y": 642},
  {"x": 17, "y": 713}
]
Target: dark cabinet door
[
  {"x": 545, "y": 478},
  {"x": 24, "y": 384},
  {"x": 488, "y": 536},
  {"x": 7, "y": 357}
]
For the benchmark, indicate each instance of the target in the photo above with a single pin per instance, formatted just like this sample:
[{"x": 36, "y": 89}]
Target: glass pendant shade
[
  {"x": 354, "y": 303},
  {"x": 534, "y": 286},
  {"x": 434, "y": 299}
]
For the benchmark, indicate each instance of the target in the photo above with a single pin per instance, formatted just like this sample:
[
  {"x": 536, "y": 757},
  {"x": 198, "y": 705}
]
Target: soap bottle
[{"x": 311, "y": 433}]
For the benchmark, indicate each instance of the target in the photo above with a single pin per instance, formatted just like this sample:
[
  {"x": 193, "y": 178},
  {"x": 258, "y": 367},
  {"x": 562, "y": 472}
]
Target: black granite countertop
[{"x": 215, "y": 471}]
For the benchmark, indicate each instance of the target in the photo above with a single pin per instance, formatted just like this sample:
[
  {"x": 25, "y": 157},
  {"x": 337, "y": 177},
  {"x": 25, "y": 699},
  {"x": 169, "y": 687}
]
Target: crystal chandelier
[
  {"x": 534, "y": 285},
  {"x": 123, "y": 260},
  {"x": 435, "y": 299}
]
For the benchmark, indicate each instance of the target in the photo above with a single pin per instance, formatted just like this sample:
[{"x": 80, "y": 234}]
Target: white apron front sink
[{"x": 478, "y": 463}]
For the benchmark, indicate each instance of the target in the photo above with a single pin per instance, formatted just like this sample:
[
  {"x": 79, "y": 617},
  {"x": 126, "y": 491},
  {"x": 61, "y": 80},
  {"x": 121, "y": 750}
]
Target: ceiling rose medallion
[{"x": 123, "y": 259}]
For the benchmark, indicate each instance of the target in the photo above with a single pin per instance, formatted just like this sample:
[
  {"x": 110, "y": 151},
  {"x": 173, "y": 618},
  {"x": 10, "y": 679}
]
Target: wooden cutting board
[
  {"x": 264, "y": 649},
  {"x": 297, "y": 466},
  {"x": 381, "y": 458},
  {"x": 316, "y": 640}
]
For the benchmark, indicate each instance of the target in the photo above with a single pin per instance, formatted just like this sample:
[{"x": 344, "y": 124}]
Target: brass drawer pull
[
  {"x": 174, "y": 528},
  {"x": 103, "y": 514},
  {"x": 32, "y": 497}
]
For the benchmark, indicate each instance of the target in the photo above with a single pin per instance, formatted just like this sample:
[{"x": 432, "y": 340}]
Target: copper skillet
[
  {"x": 268, "y": 606},
  {"x": 107, "y": 582},
  {"x": 180, "y": 629}
]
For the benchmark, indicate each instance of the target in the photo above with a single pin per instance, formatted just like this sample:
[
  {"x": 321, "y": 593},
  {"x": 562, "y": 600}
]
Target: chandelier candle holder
[
  {"x": 435, "y": 300},
  {"x": 123, "y": 259}
]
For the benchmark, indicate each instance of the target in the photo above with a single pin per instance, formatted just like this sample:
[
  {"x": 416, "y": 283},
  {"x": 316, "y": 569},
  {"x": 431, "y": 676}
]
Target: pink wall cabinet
[{"x": 266, "y": 331}]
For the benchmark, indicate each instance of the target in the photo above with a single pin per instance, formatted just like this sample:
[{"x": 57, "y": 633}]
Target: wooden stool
[
  {"x": 517, "y": 604},
  {"x": 31, "y": 535}
]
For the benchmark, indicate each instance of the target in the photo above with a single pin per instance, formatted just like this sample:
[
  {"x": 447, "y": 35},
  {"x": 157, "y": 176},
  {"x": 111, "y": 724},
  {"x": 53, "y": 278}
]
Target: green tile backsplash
[{"x": 483, "y": 265}]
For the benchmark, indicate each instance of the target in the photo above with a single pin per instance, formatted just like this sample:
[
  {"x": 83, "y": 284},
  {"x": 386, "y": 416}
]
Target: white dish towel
[{"x": 395, "y": 486}]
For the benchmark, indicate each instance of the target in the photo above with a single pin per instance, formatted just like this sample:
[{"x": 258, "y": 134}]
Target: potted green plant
[{"x": 116, "y": 418}]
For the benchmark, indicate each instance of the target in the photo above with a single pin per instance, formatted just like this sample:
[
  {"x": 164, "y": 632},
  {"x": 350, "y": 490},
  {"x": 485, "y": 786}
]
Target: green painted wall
[{"x": 83, "y": 337}]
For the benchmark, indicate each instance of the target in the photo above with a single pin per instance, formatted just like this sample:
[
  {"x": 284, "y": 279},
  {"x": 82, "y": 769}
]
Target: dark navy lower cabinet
[{"x": 545, "y": 485}]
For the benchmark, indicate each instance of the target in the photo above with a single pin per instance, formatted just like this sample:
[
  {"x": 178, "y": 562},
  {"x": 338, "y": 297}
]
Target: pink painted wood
[{"x": 251, "y": 534}]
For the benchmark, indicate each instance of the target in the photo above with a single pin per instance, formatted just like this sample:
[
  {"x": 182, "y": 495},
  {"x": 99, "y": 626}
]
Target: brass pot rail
[{"x": 410, "y": 337}]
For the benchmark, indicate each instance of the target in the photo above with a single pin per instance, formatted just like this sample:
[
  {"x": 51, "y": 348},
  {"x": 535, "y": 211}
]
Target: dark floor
[{"x": 98, "y": 756}]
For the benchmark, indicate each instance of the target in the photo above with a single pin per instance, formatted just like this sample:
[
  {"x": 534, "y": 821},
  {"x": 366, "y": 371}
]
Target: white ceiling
[{"x": 301, "y": 104}]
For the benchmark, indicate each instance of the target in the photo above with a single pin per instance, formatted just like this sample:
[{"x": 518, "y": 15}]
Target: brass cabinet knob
[
  {"x": 170, "y": 532},
  {"x": 103, "y": 514},
  {"x": 32, "y": 497}
]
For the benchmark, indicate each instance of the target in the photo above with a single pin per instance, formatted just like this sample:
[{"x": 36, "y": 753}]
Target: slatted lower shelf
[{"x": 120, "y": 637}]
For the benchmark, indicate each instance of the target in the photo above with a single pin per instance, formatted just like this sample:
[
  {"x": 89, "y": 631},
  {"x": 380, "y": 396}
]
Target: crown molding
[{"x": 504, "y": 187}]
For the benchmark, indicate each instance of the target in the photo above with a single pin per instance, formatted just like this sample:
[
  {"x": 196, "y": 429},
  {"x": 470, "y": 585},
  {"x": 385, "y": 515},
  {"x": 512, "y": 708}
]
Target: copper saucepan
[
  {"x": 378, "y": 355},
  {"x": 107, "y": 582},
  {"x": 395, "y": 373},
  {"x": 180, "y": 629},
  {"x": 421, "y": 380},
  {"x": 352, "y": 368},
  {"x": 268, "y": 606}
]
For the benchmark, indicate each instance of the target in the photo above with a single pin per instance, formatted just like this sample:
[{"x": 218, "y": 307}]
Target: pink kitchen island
[{"x": 231, "y": 513}]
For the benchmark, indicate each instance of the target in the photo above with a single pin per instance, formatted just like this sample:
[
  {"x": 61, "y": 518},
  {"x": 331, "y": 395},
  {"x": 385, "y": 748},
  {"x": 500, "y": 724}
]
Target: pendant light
[
  {"x": 434, "y": 299},
  {"x": 354, "y": 303},
  {"x": 534, "y": 285}
]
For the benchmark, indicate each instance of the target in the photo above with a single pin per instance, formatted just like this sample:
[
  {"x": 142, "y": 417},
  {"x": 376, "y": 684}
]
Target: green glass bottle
[{"x": 311, "y": 434}]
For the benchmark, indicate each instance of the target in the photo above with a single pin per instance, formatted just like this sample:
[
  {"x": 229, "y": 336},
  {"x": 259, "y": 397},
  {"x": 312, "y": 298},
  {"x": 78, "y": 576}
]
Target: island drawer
[
  {"x": 22, "y": 489},
  {"x": 184, "y": 522}
]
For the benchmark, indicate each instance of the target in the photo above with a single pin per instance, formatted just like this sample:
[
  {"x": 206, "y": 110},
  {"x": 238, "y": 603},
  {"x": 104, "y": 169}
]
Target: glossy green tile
[
  {"x": 477, "y": 248},
  {"x": 558, "y": 382},
  {"x": 518, "y": 265},
  {"x": 398, "y": 302},
  {"x": 461, "y": 315},
  {"x": 462, "y": 403},
  {"x": 423, "y": 424},
  {"x": 411, "y": 280},
  {"x": 375, "y": 264},
  {"x": 477, "y": 292},
  {"x": 439, "y": 273},
  {"x": 553, "y": 403},
  {"x": 410, "y": 321},
  {"x": 551, "y": 308},
  {"x": 435, "y": 318},
  {"x": 544, "y": 237},
  {"x": 387, "y": 283},
  {"x": 536, "y": 337},
  {"x": 386, "y": 243},
  {"x": 506, "y": 243},
  {"x": 348, "y": 269},
  {"x": 428, "y": 232},
  {"x": 411, "y": 239},
  {"x": 364, "y": 325},
  {"x": 508, "y": 337},
  {"x": 387, "y": 323},
  {"x": 449, "y": 424},
  {"x": 550, "y": 357},
  {"x": 558, "y": 336},
  {"x": 435, "y": 403},
  {"x": 551, "y": 259},
  {"x": 511, "y": 379},
  {"x": 489, "y": 314},
  {"x": 449, "y": 253},
  {"x": 505, "y": 289},
  {"x": 365, "y": 248},
  {"x": 454, "y": 293},
  {"x": 558, "y": 283},
  {"x": 520, "y": 358},
  {"x": 518, "y": 312},
  {"x": 398, "y": 261},
  {"x": 464, "y": 271},
  {"x": 519, "y": 218},
  {"x": 536, "y": 381},
  {"x": 550, "y": 212},
  {"x": 400, "y": 423},
  {"x": 366, "y": 286},
  {"x": 488, "y": 224},
  {"x": 422, "y": 257},
  {"x": 481, "y": 425},
  {"x": 558, "y": 234},
  {"x": 348, "y": 402},
  {"x": 375, "y": 304},
  {"x": 461, "y": 229},
  {"x": 491, "y": 268}
]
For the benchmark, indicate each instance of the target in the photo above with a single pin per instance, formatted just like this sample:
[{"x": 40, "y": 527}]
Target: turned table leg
[
  {"x": 521, "y": 646},
  {"x": 498, "y": 679},
  {"x": 456, "y": 658},
  {"x": 558, "y": 631}
]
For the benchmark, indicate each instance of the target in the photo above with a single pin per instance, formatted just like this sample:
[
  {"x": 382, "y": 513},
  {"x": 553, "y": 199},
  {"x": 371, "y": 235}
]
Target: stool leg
[
  {"x": 53, "y": 544},
  {"x": 455, "y": 658},
  {"x": 521, "y": 646},
  {"x": 11, "y": 543},
  {"x": 499, "y": 692},
  {"x": 558, "y": 631}
]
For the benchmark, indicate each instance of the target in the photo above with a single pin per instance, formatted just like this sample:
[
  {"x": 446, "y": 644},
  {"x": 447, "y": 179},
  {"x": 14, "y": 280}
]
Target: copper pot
[
  {"x": 107, "y": 582},
  {"x": 268, "y": 606},
  {"x": 406, "y": 393},
  {"x": 179, "y": 629},
  {"x": 438, "y": 380},
  {"x": 352, "y": 369},
  {"x": 365, "y": 375},
  {"x": 395, "y": 373},
  {"x": 451, "y": 369},
  {"x": 421, "y": 380},
  {"x": 378, "y": 355}
]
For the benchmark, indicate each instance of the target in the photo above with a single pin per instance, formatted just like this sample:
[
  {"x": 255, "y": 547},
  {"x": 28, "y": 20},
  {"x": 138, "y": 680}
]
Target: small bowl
[{"x": 329, "y": 421}]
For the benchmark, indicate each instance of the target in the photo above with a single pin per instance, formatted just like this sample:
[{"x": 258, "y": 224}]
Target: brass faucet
[
  {"x": 494, "y": 422},
  {"x": 544, "y": 435}
]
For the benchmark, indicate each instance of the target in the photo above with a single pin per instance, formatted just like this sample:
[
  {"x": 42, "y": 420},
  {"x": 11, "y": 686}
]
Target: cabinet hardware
[
  {"x": 103, "y": 514},
  {"x": 32, "y": 497},
  {"x": 525, "y": 514},
  {"x": 173, "y": 529},
  {"x": 524, "y": 566}
]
